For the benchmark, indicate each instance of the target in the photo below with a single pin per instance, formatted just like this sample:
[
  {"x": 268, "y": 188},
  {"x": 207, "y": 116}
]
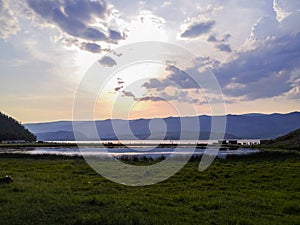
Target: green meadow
[{"x": 257, "y": 189}]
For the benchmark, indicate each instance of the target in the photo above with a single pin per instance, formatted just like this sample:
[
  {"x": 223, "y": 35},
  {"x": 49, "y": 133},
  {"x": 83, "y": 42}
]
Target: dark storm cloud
[
  {"x": 75, "y": 17},
  {"x": 197, "y": 29}
]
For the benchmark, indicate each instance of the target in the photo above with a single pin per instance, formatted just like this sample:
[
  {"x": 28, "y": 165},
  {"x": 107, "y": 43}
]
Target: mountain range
[{"x": 246, "y": 126}]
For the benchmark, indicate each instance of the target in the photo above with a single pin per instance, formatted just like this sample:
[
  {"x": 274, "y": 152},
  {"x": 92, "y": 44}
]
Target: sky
[{"x": 48, "y": 47}]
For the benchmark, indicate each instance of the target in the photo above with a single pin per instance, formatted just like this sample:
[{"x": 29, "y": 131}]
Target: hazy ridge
[{"x": 247, "y": 126}]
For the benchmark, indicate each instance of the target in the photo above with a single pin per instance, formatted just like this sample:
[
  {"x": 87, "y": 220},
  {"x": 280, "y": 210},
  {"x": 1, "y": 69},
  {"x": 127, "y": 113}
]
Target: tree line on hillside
[{"x": 11, "y": 129}]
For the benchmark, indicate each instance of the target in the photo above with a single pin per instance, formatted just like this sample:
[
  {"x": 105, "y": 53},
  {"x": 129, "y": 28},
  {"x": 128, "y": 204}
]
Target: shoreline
[
  {"x": 46, "y": 156},
  {"x": 129, "y": 145}
]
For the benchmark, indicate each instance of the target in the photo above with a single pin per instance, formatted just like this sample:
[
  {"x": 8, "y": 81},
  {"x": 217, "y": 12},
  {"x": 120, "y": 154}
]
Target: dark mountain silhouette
[
  {"x": 10, "y": 129},
  {"x": 247, "y": 126}
]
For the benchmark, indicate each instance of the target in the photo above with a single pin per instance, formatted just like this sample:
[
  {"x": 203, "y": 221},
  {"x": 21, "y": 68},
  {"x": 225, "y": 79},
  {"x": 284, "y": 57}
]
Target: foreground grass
[{"x": 258, "y": 189}]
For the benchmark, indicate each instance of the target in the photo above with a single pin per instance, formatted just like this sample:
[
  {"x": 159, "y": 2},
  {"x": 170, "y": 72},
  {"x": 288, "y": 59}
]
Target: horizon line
[{"x": 230, "y": 114}]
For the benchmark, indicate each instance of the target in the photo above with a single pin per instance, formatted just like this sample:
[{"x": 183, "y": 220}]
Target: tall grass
[{"x": 255, "y": 189}]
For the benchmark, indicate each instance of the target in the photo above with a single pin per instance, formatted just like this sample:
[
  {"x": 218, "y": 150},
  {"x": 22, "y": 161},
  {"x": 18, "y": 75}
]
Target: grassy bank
[
  {"x": 256, "y": 189},
  {"x": 37, "y": 144}
]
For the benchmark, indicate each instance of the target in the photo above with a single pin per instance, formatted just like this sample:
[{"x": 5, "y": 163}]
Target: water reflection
[{"x": 119, "y": 152}]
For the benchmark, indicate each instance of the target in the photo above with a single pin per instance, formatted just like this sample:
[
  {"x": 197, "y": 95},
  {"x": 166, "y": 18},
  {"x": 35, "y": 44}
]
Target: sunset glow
[{"x": 252, "y": 49}]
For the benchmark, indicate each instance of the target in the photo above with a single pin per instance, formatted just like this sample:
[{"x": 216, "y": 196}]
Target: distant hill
[
  {"x": 10, "y": 129},
  {"x": 288, "y": 141},
  {"x": 58, "y": 136},
  {"x": 69, "y": 136},
  {"x": 247, "y": 126}
]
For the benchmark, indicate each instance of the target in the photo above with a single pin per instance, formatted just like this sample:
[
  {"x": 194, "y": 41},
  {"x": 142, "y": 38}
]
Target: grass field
[{"x": 257, "y": 189}]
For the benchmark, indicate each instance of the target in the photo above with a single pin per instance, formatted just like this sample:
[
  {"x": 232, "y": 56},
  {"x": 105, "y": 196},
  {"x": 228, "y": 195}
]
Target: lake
[{"x": 119, "y": 152}]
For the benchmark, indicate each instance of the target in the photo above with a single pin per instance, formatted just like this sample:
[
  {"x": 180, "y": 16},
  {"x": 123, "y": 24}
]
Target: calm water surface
[{"x": 118, "y": 152}]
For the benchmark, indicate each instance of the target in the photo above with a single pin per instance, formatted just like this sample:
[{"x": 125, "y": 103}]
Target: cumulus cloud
[
  {"x": 144, "y": 98},
  {"x": 224, "y": 47},
  {"x": 290, "y": 24},
  {"x": 178, "y": 95},
  {"x": 264, "y": 71},
  {"x": 8, "y": 22},
  {"x": 265, "y": 27},
  {"x": 196, "y": 29},
  {"x": 294, "y": 93},
  {"x": 176, "y": 78},
  {"x": 193, "y": 77},
  {"x": 107, "y": 61},
  {"x": 284, "y": 8},
  {"x": 128, "y": 94},
  {"x": 186, "y": 88},
  {"x": 213, "y": 100},
  {"x": 212, "y": 38},
  {"x": 83, "y": 19},
  {"x": 157, "y": 84},
  {"x": 92, "y": 47},
  {"x": 118, "y": 88},
  {"x": 115, "y": 35},
  {"x": 181, "y": 78},
  {"x": 221, "y": 43},
  {"x": 226, "y": 37},
  {"x": 120, "y": 81},
  {"x": 84, "y": 10},
  {"x": 150, "y": 98}
]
